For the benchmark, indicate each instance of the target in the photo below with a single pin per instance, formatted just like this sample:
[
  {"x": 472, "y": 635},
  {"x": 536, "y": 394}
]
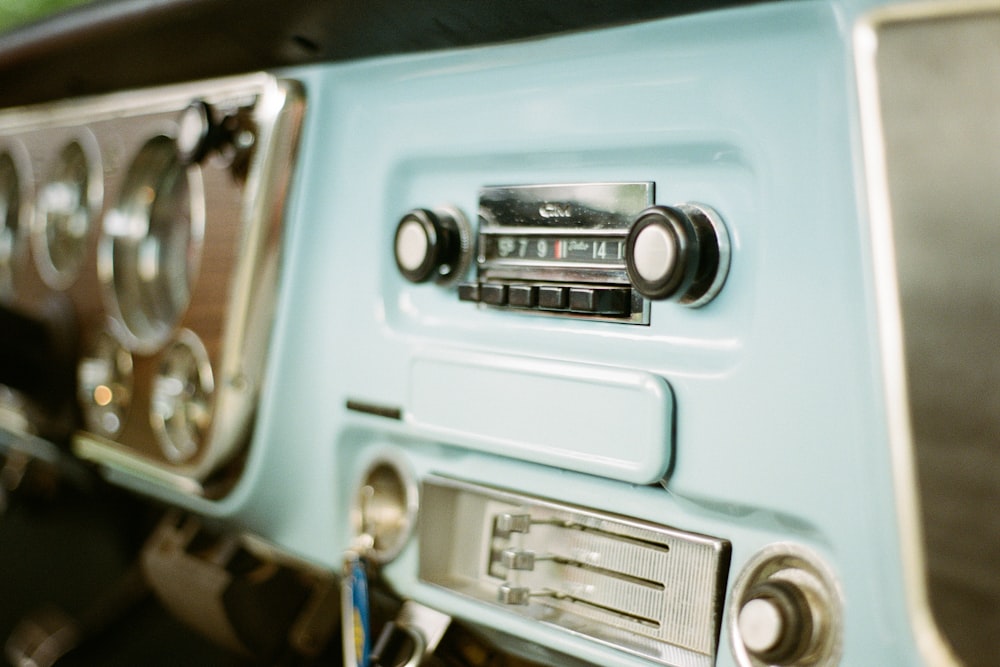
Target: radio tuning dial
[
  {"x": 432, "y": 244},
  {"x": 679, "y": 253}
]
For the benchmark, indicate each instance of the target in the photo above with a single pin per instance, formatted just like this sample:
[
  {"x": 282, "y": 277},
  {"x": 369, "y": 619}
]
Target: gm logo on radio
[{"x": 555, "y": 210}]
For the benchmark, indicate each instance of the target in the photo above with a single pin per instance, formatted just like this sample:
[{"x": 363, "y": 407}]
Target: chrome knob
[
  {"x": 432, "y": 244},
  {"x": 786, "y": 610},
  {"x": 775, "y": 623},
  {"x": 678, "y": 252},
  {"x": 196, "y": 132},
  {"x": 227, "y": 135}
]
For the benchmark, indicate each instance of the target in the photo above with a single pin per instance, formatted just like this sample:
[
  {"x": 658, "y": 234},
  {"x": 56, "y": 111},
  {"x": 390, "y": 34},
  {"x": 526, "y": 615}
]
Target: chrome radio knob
[
  {"x": 432, "y": 244},
  {"x": 776, "y": 623},
  {"x": 678, "y": 252}
]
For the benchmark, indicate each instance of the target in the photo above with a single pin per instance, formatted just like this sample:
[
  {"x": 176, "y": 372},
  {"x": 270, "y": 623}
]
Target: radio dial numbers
[{"x": 581, "y": 249}]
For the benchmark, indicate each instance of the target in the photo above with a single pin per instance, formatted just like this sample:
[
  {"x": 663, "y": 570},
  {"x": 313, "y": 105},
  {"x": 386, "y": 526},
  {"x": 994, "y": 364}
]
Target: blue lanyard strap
[{"x": 355, "y": 615}]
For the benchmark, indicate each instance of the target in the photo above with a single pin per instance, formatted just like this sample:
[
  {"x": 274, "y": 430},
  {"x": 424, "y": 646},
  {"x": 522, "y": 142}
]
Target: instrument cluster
[{"x": 142, "y": 231}]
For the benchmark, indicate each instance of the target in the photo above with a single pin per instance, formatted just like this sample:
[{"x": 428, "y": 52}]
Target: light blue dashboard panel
[
  {"x": 609, "y": 422},
  {"x": 762, "y": 412}
]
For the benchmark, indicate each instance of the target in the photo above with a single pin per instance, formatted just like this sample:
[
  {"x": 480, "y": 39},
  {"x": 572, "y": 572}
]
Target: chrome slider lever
[
  {"x": 522, "y": 559},
  {"x": 507, "y": 523},
  {"x": 508, "y": 593}
]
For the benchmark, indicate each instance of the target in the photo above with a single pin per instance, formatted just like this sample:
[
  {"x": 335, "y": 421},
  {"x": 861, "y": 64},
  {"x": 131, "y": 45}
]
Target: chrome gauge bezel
[
  {"x": 180, "y": 410},
  {"x": 13, "y": 241},
  {"x": 61, "y": 238},
  {"x": 130, "y": 249},
  {"x": 235, "y": 196}
]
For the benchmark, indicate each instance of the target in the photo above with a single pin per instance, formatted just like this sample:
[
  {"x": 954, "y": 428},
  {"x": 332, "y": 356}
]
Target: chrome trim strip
[
  {"x": 13, "y": 260},
  {"x": 115, "y": 457},
  {"x": 131, "y": 103},
  {"x": 250, "y": 310},
  {"x": 646, "y": 589},
  {"x": 925, "y": 633},
  {"x": 510, "y": 230},
  {"x": 279, "y": 112}
]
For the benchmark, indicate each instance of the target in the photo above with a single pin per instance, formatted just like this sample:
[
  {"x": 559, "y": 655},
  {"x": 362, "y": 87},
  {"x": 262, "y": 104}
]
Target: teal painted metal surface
[{"x": 779, "y": 431}]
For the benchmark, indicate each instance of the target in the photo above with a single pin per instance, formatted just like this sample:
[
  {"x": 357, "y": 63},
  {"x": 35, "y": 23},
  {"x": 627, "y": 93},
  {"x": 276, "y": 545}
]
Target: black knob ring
[
  {"x": 695, "y": 247},
  {"x": 793, "y": 606},
  {"x": 676, "y": 231},
  {"x": 713, "y": 254},
  {"x": 442, "y": 238}
]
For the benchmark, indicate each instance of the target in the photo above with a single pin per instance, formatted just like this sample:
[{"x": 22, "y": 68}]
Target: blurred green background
[{"x": 17, "y": 12}]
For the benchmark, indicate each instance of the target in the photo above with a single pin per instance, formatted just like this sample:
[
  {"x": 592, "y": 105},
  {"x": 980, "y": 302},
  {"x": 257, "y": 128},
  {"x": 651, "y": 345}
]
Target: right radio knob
[{"x": 678, "y": 252}]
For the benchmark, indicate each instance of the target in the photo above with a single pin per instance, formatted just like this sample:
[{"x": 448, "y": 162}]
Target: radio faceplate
[{"x": 559, "y": 250}]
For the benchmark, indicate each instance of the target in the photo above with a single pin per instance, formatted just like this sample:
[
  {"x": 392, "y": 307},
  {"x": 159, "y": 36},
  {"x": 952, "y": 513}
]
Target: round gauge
[
  {"x": 65, "y": 211},
  {"x": 180, "y": 409},
  {"x": 11, "y": 215},
  {"x": 105, "y": 385},
  {"x": 152, "y": 244}
]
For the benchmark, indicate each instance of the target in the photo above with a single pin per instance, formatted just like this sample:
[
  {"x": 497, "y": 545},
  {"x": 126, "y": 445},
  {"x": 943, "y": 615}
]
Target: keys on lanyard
[{"x": 355, "y": 612}]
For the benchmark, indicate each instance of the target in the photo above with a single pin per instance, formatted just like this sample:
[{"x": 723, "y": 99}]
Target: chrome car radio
[
  {"x": 591, "y": 250},
  {"x": 153, "y": 220}
]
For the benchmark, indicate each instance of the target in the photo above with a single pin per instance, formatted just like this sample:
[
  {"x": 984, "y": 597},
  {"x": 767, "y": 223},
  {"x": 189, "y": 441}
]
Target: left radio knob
[{"x": 432, "y": 244}]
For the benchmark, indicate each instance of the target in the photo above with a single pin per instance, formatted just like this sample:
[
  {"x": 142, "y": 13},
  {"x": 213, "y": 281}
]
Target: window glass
[{"x": 18, "y": 12}]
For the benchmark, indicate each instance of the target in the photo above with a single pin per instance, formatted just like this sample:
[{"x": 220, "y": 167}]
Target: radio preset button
[
  {"x": 523, "y": 296},
  {"x": 494, "y": 294},
  {"x": 469, "y": 292},
  {"x": 553, "y": 297},
  {"x": 600, "y": 301}
]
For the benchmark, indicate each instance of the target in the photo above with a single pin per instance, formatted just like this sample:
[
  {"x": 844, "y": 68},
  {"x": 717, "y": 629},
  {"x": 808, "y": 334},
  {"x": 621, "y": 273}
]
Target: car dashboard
[{"x": 652, "y": 334}]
